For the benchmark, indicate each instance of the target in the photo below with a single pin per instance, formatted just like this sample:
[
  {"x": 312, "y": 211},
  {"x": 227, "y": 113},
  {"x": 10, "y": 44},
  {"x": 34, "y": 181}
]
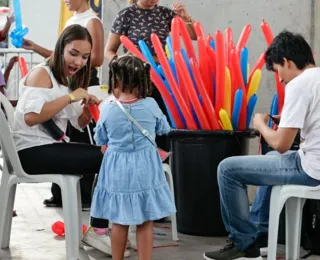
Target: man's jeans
[{"x": 235, "y": 173}]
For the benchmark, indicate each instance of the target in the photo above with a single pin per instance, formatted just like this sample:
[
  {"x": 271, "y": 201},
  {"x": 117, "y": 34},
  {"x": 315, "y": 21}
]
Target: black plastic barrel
[{"x": 194, "y": 161}]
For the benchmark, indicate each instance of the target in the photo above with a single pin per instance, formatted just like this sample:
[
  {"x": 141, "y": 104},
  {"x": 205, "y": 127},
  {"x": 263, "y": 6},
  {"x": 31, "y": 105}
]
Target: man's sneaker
[
  {"x": 100, "y": 242},
  {"x": 230, "y": 252},
  {"x": 262, "y": 243}
]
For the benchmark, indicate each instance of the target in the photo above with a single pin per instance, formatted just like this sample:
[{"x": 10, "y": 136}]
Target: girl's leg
[
  {"x": 119, "y": 235},
  {"x": 145, "y": 240}
]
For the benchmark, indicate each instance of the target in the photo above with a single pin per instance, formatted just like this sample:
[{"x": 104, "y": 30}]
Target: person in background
[
  {"x": 138, "y": 21},
  {"x": 86, "y": 17}
]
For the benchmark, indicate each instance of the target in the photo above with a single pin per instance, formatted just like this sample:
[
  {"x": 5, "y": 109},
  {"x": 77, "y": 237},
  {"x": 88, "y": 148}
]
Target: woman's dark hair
[
  {"x": 291, "y": 46},
  {"x": 133, "y": 73},
  {"x": 56, "y": 61}
]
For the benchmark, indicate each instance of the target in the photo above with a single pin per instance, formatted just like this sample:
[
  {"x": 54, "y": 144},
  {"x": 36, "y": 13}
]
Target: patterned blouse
[{"x": 138, "y": 24}]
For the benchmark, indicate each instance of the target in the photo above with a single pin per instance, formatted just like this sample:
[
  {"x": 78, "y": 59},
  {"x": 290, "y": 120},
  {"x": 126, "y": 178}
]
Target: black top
[{"x": 138, "y": 24}]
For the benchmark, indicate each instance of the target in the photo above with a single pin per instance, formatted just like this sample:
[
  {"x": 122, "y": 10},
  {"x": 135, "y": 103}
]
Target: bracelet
[
  {"x": 189, "y": 21},
  {"x": 72, "y": 98}
]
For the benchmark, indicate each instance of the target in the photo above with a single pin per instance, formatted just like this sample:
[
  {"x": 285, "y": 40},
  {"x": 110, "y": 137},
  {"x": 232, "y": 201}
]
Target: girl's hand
[
  {"x": 10, "y": 19},
  {"x": 181, "y": 11},
  {"x": 104, "y": 149}
]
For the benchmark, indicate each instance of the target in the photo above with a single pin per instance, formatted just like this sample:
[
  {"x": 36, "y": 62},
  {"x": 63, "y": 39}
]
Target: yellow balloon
[
  {"x": 254, "y": 84},
  {"x": 248, "y": 71},
  {"x": 167, "y": 52},
  {"x": 226, "y": 123},
  {"x": 227, "y": 92}
]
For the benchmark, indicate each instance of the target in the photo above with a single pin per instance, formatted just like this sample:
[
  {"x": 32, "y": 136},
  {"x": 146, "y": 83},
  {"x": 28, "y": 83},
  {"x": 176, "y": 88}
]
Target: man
[{"x": 290, "y": 56}]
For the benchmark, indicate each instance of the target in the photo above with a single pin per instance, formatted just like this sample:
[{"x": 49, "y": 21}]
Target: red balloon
[
  {"x": 244, "y": 37},
  {"x": 267, "y": 32},
  {"x": 206, "y": 72},
  {"x": 280, "y": 91},
  {"x": 199, "y": 30},
  {"x": 131, "y": 47},
  {"x": 209, "y": 39},
  {"x": 23, "y": 66},
  {"x": 186, "y": 39},
  {"x": 228, "y": 44},
  {"x": 182, "y": 67},
  {"x": 94, "y": 111},
  {"x": 207, "y": 104},
  {"x": 212, "y": 59},
  {"x": 168, "y": 99},
  {"x": 175, "y": 34},
  {"x": 221, "y": 71},
  {"x": 259, "y": 65},
  {"x": 182, "y": 89},
  {"x": 58, "y": 228},
  {"x": 191, "y": 124}
]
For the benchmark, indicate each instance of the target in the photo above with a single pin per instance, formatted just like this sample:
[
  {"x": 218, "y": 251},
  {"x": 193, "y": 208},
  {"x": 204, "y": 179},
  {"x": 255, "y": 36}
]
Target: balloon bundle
[
  {"x": 20, "y": 31},
  {"x": 213, "y": 90}
]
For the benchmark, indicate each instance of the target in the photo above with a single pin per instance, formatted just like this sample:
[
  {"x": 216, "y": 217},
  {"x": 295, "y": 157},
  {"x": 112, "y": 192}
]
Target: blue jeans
[{"x": 235, "y": 173}]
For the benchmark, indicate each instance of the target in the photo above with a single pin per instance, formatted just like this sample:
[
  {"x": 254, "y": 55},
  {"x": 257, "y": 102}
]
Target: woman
[
  {"x": 86, "y": 17},
  {"x": 138, "y": 22},
  {"x": 55, "y": 90}
]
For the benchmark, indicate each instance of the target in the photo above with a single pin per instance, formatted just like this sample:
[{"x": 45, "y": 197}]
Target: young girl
[{"x": 132, "y": 188}]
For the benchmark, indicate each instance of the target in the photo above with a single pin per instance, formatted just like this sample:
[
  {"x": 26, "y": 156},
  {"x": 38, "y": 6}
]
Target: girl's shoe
[{"x": 100, "y": 242}]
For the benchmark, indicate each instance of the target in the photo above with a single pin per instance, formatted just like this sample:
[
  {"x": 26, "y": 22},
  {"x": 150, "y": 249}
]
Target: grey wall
[{"x": 296, "y": 15}]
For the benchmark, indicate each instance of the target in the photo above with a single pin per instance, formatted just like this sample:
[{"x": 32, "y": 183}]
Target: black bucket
[{"x": 194, "y": 161}]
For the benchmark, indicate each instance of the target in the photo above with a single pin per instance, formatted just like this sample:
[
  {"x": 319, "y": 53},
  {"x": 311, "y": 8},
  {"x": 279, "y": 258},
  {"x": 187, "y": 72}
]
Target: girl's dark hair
[
  {"x": 133, "y": 73},
  {"x": 291, "y": 46},
  {"x": 56, "y": 61}
]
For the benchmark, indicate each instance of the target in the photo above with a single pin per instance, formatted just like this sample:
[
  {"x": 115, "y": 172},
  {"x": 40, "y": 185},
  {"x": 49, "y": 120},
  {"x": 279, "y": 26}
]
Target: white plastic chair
[
  {"x": 8, "y": 108},
  {"x": 9, "y": 111},
  {"x": 294, "y": 197},
  {"x": 167, "y": 171},
  {"x": 13, "y": 174}
]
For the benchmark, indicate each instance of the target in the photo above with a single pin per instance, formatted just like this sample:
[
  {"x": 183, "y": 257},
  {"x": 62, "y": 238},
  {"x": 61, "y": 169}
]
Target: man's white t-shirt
[{"x": 302, "y": 110}]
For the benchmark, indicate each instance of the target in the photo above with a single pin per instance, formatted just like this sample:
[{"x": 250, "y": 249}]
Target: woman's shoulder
[
  {"x": 129, "y": 10},
  {"x": 38, "y": 77}
]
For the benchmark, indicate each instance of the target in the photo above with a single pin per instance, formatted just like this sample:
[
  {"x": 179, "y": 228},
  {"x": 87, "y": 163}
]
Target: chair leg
[
  {"x": 294, "y": 207},
  {"x": 275, "y": 210},
  {"x": 71, "y": 210},
  {"x": 168, "y": 172},
  {"x": 7, "y": 197}
]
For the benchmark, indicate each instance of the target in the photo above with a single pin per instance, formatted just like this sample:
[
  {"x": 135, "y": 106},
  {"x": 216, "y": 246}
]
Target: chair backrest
[
  {"x": 8, "y": 108},
  {"x": 11, "y": 159}
]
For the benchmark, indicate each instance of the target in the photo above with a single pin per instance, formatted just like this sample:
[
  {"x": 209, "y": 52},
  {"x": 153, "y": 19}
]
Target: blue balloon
[
  {"x": 173, "y": 68},
  {"x": 186, "y": 60},
  {"x": 237, "y": 109},
  {"x": 251, "y": 105},
  {"x": 274, "y": 108},
  {"x": 147, "y": 54},
  {"x": 213, "y": 44},
  {"x": 20, "y": 31},
  {"x": 244, "y": 64}
]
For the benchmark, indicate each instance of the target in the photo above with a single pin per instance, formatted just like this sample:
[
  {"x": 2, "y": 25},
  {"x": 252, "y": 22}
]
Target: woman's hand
[
  {"x": 93, "y": 100},
  {"x": 81, "y": 94},
  {"x": 181, "y": 11}
]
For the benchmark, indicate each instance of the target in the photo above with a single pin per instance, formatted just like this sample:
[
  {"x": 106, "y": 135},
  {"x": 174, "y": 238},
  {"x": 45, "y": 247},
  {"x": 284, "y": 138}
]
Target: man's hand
[{"x": 260, "y": 120}]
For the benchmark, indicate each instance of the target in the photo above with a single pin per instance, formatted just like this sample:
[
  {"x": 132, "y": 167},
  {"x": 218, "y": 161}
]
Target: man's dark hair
[{"x": 291, "y": 46}]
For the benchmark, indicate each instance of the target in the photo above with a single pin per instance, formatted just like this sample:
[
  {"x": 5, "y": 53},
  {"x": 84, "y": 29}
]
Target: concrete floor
[{"x": 32, "y": 238}]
